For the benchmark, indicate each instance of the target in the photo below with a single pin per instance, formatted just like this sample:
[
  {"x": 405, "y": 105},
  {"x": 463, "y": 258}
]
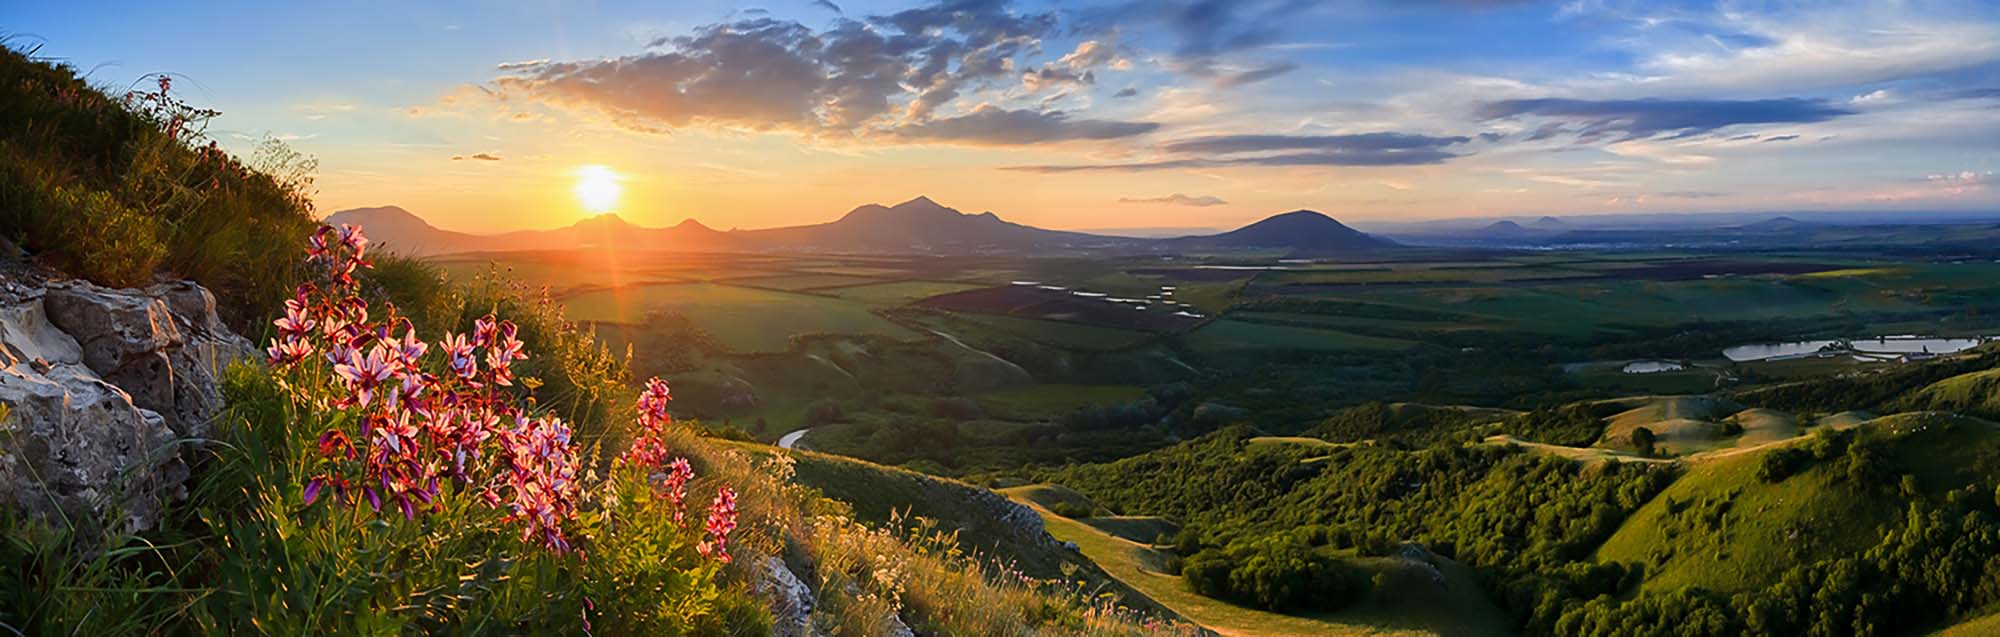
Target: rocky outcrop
[
  {"x": 791, "y": 600},
  {"x": 103, "y": 387}
]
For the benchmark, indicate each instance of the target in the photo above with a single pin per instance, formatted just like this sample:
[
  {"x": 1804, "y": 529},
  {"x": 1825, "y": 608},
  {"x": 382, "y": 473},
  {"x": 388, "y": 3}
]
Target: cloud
[
  {"x": 1222, "y": 151},
  {"x": 1643, "y": 118},
  {"x": 996, "y": 126},
  {"x": 477, "y": 157},
  {"x": 880, "y": 76},
  {"x": 1961, "y": 183},
  {"x": 1177, "y": 199},
  {"x": 1126, "y": 92},
  {"x": 1793, "y": 46},
  {"x": 1377, "y": 142},
  {"x": 1255, "y": 75},
  {"x": 1779, "y": 138},
  {"x": 823, "y": 4},
  {"x": 1358, "y": 158}
]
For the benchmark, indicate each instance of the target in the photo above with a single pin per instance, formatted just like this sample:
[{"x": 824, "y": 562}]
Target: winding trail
[{"x": 791, "y": 440}]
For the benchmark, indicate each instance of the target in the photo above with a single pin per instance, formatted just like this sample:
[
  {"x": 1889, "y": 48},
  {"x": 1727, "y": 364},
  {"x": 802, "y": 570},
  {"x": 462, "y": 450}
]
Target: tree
[{"x": 1644, "y": 441}]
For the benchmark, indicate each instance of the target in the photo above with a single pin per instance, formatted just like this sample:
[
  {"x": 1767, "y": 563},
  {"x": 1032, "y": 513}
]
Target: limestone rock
[
  {"x": 791, "y": 599},
  {"x": 103, "y": 388}
]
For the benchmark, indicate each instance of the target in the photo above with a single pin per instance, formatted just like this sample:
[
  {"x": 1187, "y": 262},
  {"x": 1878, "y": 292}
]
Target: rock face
[
  {"x": 102, "y": 388},
  {"x": 791, "y": 599}
]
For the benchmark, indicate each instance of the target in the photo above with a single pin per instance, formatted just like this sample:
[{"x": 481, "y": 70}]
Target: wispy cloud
[
  {"x": 476, "y": 157},
  {"x": 1177, "y": 199},
  {"x": 1627, "y": 119}
]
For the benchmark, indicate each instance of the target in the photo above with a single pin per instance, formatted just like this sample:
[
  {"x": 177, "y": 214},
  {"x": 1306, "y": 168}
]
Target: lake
[{"x": 1879, "y": 346}]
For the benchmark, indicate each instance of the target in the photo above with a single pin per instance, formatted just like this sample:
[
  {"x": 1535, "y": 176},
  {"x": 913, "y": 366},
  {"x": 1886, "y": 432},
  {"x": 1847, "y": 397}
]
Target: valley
[{"x": 1685, "y": 418}]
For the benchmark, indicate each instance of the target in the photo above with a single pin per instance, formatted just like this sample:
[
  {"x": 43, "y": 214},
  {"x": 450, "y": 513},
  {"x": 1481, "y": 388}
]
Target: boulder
[
  {"x": 102, "y": 388},
  {"x": 165, "y": 346}
]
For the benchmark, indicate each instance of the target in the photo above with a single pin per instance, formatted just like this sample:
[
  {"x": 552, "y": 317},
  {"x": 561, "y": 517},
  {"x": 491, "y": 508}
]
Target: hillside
[{"x": 162, "y": 476}]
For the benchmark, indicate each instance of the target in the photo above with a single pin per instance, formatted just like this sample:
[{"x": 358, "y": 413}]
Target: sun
[{"x": 597, "y": 188}]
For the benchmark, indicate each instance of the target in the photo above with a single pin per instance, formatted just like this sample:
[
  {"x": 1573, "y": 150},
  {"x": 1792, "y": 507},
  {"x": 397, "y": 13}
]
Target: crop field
[
  {"x": 1239, "y": 303},
  {"x": 744, "y": 319}
]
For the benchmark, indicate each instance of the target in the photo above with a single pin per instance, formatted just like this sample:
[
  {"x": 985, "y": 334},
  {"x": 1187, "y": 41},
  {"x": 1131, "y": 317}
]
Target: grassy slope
[
  {"x": 879, "y": 493},
  {"x": 1411, "y": 606},
  {"x": 1769, "y": 527}
]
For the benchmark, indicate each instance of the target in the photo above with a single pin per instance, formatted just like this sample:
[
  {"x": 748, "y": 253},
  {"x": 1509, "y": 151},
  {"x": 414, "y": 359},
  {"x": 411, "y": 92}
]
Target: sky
[{"x": 484, "y": 116}]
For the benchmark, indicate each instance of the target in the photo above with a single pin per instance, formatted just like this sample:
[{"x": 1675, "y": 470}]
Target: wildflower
[
  {"x": 459, "y": 357},
  {"x": 673, "y": 487},
  {"x": 289, "y": 351},
  {"x": 363, "y": 374},
  {"x": 721, "y": 521}
]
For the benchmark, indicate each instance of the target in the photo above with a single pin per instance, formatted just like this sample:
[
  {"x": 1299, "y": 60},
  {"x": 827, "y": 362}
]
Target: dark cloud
[
  {"x": 875, "y": 75},
  {"x": 1743, "y": 138},
  {"x": 1361, "y": 142},
  {"x": 1358, "y": 158},
  {"x": 476, "y": 156},
  {"x": 1126, "y": 92},
  {"x": 992, "y": 125},
  {"x": 823, "y": 4},
  {"x": 1258, "y": 74},
  {"x": 1643, "y": 118},
  {"x": 1177, "y": 199},
  {"x": 1780, "y": 138}
]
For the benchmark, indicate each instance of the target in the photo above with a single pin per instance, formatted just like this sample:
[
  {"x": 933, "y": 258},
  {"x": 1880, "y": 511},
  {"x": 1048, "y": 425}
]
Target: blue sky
[{"x": 1086, "y": 115}]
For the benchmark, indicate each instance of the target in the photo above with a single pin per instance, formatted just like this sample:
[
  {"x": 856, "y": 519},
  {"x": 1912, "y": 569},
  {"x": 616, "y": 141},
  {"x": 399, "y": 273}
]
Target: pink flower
[
  {"x": 364, "y": 373},
  {"x": 721, "y": 521},
  {"x": 289, "y": 351},
  {"x": 459, "y": 355},
  {"x": 673, "y": 487}
]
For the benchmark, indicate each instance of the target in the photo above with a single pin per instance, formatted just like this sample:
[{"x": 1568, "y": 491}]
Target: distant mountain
[
  {"x": 1302, "y": 230},
  {"x": 1778, "y": 224},
  {"x": 919, "y": 226},
  {"x": 1550, "y": 223},
  {"x": 1504, "y": 228},
  {"x": 402, "y": 231}
]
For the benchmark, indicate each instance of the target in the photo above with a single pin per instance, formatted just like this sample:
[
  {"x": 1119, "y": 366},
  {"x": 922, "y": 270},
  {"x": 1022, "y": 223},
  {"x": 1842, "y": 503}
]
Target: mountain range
[{"x": 917, "y": 226}]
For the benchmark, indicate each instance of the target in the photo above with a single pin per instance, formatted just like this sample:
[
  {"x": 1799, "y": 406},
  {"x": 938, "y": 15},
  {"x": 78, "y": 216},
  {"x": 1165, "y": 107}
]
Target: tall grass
[{"x": 114, "y": 190}]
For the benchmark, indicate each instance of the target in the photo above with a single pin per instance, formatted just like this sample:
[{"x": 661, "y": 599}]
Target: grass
[
  {"x": 1767, "y": 527},
  {"x": 1057, "y": 333},
  {"x": 1412, "y": 607},
  {"x": 1231, "y": 335},
  {"x": 1055, "y": 400},
  {"x": 743, "y": 319},
  {"x": 899, "y": 292},
  {"x": 102, "y": 190}
]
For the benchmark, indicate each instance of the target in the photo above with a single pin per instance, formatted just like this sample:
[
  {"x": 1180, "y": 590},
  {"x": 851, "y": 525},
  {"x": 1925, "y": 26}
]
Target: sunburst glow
[{"x": 597, "y": 187}]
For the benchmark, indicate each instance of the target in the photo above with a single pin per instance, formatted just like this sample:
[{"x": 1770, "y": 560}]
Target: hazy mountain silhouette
[
  {"x": 1778, "y": 224},
  {"x": 1504, "y": 228},
  {"x": 919, "y": 225},
  {"x": 1302, "y": 230}
]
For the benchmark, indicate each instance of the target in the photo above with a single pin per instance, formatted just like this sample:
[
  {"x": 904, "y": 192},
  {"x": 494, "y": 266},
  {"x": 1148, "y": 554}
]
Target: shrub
[{"x": 1281, "y": 572}]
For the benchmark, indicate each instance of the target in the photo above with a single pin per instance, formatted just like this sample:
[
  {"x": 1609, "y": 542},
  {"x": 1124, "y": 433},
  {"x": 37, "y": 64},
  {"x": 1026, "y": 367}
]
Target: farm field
[{"x": 744, "y": 319}]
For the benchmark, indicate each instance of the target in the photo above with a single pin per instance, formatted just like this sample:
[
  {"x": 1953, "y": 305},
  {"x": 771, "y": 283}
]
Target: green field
[
  {"x": 898, "y": 292},
  {"x": 1230, "y": 335},
  {"x": 742, "y": 318}
]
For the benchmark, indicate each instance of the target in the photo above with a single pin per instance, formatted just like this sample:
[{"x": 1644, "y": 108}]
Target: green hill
[{"x": 1723, "y": 527}]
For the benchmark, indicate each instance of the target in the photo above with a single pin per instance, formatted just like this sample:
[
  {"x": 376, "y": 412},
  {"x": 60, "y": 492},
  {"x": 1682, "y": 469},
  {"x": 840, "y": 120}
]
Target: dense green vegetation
[{"x": 116, "y": 187}]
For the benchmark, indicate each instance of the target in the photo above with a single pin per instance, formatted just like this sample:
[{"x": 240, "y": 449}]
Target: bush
[{"x": 1282, "y": 572}]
